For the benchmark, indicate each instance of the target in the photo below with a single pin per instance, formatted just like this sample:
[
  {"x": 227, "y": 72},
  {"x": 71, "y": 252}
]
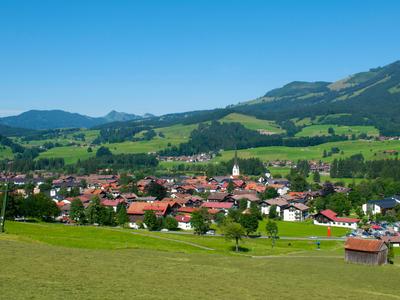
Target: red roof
[
  {"x": 138, "y": 208},
  {"x": 217, "y": 205},
  {"x": 363, "y": 245},
  {"x": 187, "y": 209},
  {"x": 111, "y": 203},
  {"x": 332, "y": 216},
  {"x": 183, "y": 219}
]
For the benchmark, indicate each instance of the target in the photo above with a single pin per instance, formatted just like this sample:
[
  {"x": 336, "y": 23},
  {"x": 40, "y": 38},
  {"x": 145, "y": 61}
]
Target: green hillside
[
  {"x": 117, "y": 257},
  {"x": 370, "y": 150},
  {"x": 253, "y": 123},
  {"x": 320, "y": 130}
]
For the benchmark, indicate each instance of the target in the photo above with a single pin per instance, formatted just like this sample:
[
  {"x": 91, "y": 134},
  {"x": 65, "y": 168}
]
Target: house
[
  {"x": 184, "y": 222},
  {"x": 393, "y": 240},
  {"x": 220, "y": 197},
  {"x": 295, "y": 212},
  {"x": 380, "y": 206},
  {"x": 280, "y": 204},
  {"x": 328, "y": 217},
  {"x": 366, "y": 251},
  {"x": 136, "y": 211},
  {"x": 220, "y": 206},
  {"x": 112, "y": 203}
]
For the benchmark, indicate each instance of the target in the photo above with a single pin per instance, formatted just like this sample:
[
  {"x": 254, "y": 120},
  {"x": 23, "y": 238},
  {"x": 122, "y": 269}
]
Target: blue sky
[{"x": 172, "y": 56}]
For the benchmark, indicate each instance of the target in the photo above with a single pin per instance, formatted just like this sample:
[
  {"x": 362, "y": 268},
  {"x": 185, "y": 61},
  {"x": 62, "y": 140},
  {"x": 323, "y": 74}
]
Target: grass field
[
  {"x": 370, "y": 150},
  {"x": 56, "y": 261},
  {"x": 71, "y": 154},
  {"x": 252, "y": 122},
  {"x": 5, "y": 152},
  {"x": 321, "y": 130}
]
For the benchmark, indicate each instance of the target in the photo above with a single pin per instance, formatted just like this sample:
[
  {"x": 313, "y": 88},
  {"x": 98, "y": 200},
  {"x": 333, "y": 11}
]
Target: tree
[
  {"x": 273, "y": 214},
  {"x": 242, "y": 204},
  {"x": 249, "y": 223},
  {"x": 77, "y": 211},
  {"x": 233, "y": 231},
  {"x": 269, "y": 193},
  {"x": 255, "y": 210},
  {"x": 40, "y": 206},
  {"x": 200, "y": 221},
  {"x": 272, "y": 230},
  {"x": 94, "y": 211},
  {"x": 171, "y": 223},
  {"x": 157, "y": 190},
  {"x": 316, "y": 177},
  {"x": 107, "y": 217},
  {"x": 122, "y": 216},
  {"x": 103, "y": 151},
  {"x": 331, "y": 131},
  {"x": 230, "y": 186},
  {"x": 391, "y": 254},
  {"x": 298, "y": 183},
  {"x": 151, "y": 220}
]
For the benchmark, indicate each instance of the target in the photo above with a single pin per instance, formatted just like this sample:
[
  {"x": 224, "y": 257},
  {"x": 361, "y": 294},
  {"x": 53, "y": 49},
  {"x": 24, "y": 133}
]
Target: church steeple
[{"x": 235, "y": 169}]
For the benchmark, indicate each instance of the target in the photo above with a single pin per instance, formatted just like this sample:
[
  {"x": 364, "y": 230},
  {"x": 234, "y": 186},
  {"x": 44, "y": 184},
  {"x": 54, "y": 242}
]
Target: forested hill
[{"x": 366, "y": 98}]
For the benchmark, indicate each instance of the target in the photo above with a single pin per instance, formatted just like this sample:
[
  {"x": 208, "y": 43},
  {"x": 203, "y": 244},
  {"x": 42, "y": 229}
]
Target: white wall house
[
  {"x": 380, "y": 206},
  {"x": 328, "y": 218},
  {"x": 296, "y": 212},
  {"x": 184, "y": 222}
]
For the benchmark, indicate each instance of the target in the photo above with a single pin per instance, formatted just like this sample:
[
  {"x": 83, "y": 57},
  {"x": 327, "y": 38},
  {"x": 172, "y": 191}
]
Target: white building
[
  {"x": 328, "y": 217},
  {"x": 380, "y": 206},
  {"x": 184, "y": 222},
  {"x": 295, "y": 212},
  {"x": 235, "y": 169}
]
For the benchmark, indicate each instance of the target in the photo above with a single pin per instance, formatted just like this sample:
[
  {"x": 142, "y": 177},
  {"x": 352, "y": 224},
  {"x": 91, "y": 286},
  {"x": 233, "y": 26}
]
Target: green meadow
[
  {"x": 322, "y": 130},
  {"x": 370, "y": 150},
  {"x": 252, "y": 122},
  {"x": 56, "y": 261}
]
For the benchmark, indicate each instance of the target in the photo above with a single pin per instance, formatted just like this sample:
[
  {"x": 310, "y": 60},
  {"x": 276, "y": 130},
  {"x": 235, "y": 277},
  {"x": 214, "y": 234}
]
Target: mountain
[
  {"x": 52, "y": 119},
  {"x": 115, "y": 116},
  {"x": 366, "y": 98}
]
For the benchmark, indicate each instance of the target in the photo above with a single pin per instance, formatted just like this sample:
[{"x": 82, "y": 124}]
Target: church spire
[{"x": 235, "y": 169}]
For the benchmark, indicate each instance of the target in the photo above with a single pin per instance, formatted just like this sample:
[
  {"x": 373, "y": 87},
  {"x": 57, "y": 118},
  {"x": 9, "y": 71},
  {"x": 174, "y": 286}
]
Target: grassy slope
[
  {"x": 5, "y": 152},
  {"x": 367, "y": 148},
  {"x": 252, "y": 122},
  {"x": 124, "y": 267},
  {"x": 320, "y": 130}
]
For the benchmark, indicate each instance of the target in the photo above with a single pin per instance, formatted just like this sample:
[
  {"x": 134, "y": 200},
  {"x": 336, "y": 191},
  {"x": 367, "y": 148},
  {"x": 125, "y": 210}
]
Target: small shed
[{"x": 364, "y": 251}]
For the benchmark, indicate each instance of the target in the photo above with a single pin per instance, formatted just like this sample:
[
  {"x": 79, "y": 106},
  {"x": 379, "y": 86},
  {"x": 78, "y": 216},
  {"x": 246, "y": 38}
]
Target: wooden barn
[{"x": 369, "y": 252}]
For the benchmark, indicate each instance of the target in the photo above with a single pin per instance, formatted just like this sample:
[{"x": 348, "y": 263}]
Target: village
[{"x": 179, "y": 198}]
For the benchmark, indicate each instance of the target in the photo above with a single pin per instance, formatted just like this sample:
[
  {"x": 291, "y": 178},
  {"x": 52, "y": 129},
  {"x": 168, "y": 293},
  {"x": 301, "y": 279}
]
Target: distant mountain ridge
[
  {"x": 53, "y": 119},
  {"x": 365, "y": 98}
]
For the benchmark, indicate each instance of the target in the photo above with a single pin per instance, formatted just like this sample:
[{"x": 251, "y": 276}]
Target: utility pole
[{"x": 3, "y": 210}]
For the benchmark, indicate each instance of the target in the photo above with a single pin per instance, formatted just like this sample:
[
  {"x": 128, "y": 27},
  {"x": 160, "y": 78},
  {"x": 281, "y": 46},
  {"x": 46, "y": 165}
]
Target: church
[{"x": 235, "y": 169}]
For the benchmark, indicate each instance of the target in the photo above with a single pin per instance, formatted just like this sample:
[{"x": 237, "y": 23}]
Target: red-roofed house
[
  {"x": 184, "y": 222},
  {"x": 328, "y": 217},
  {"x": 112, "y": 203},
  {"x": 137, "y": 209},
  {"x": 220, "y": 206}
]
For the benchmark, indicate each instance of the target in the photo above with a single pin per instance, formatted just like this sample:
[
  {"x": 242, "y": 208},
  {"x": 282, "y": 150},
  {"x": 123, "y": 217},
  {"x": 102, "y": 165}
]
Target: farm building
[{"x": 369, "y": 252}]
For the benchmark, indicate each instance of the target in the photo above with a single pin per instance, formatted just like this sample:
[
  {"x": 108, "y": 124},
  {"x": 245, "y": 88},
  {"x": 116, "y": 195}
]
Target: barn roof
[{"x": 364, "y": 245}]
